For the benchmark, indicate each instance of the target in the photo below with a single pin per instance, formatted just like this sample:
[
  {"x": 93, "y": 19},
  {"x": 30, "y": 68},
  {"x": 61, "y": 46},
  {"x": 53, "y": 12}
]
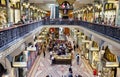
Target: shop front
[
  {"x": 110, "y": 13},
  {"x": 31, "y": 56},
  {"x": 93, "y": 55},
  {"x": 109, "y": 64},
  {"x": 85, "y": 46},
  {"x": 20, "y": 65},
  {"x": 3, "y": 12},
  {"x": 66, "y": 31}
]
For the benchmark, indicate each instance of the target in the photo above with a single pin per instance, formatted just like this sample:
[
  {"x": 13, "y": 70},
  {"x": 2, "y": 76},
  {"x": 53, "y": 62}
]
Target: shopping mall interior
[{"x": 59, "y": 38}]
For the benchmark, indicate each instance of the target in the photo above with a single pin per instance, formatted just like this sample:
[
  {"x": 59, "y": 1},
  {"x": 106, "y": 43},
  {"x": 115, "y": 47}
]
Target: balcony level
[
  {"x": 14, "y": 40},
  {"x": 11, "y": 35}
]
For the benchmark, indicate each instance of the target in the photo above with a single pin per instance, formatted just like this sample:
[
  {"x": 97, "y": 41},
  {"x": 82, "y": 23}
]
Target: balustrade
[
  {"x": 8, "y": 35},
  {"x": 107, "y": 30}
]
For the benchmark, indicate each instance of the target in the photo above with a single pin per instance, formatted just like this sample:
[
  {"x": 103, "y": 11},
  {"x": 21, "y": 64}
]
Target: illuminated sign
[{"x": 112, "y": 64}]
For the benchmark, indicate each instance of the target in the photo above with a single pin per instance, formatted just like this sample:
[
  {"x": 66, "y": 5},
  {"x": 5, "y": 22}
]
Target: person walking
[
  {"x": 51, "y": 54},
  {"x": 70, "y": 69},
  {"x": 95, "y": 72},
  {"x": 77, "y": 58},
  {"x": 44, "y": 54},
  {"x": 74, "y": 45},
  {"x": 99, "y": 74},
  {"x": 43, "y": 48},
  {"x": 70, "y": 74}
]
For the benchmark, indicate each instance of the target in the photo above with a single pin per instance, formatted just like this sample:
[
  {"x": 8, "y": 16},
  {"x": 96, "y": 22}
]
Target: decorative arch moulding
[{"x": 70, "y": 1}]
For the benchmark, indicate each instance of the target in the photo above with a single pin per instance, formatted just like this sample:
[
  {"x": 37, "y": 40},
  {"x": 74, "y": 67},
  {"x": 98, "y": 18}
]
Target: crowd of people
[{"x": 60, "y": 47}]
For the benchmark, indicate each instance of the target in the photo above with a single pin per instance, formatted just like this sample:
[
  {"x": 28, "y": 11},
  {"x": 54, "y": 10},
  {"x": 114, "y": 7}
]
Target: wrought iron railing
[
  {"x": 8, "y": 35},
  {"x": 109, "y": 31}
]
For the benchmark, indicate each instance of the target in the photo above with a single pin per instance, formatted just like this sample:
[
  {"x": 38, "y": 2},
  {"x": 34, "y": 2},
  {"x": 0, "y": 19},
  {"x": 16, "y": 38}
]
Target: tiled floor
[{"x": 44, "y": 68}]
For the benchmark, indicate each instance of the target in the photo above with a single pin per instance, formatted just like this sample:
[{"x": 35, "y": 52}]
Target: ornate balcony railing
[
  {"x": 8, "y": 35},
  {"x": 108, "y": 31}
]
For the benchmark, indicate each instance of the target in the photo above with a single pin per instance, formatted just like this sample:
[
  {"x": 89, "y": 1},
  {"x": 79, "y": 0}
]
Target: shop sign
[
  {"x": 94, "y": 49},
  {"x": 112, "y": 64},
  {"x": 19, "y": 64},
  {"x": 31, "y": 48}
]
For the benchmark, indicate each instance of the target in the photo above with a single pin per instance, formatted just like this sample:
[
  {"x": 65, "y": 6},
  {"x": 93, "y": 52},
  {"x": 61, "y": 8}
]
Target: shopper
[
  {"x": 70, "y": 69},
  {"x": 44, "y": 54},
  {"x": 52, "y": 60},
  {"x": 70, "y": 74},
  {"x": 79, "y": 76},
  {"x": 51, "y": 53},
  {"x": 99, "y": 74},
  {"x": 74, "y": 45},
  {"x": 77, "y": 58},
  {"x": 95, "y": 72}
]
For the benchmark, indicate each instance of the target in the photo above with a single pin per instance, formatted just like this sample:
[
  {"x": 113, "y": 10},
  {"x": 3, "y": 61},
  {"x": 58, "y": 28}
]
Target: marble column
[
  {"x": 52, "y": 14},
  {"x": 94, "y": 12},
  {"x": 56, "y": 11},
  {"x": 117, "y": 23},
  {"x": 21, "y": 8},
  {"x": 8, "y": 12}
]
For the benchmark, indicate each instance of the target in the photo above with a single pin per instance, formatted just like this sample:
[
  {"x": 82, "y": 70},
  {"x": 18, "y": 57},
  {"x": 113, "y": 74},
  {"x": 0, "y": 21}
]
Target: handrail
[
  {"x": 113, "y": 32},
  {"x": 15, "y": 26},
  {"x": 8, "y": 35}
]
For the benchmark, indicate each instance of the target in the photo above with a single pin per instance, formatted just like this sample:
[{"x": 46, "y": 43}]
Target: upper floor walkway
[{"x": 11, "y": 35}]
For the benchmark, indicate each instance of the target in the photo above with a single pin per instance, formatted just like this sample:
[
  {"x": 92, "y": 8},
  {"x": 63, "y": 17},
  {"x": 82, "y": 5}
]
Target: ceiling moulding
[
  {"x": 42, "y": 1},
  {"x": 36, "y": 1},
  {"x": 85, "y": 1}
]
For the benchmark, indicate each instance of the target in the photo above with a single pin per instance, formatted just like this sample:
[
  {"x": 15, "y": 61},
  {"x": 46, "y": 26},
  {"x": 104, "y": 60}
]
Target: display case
[{"x": 62, "y": 59}]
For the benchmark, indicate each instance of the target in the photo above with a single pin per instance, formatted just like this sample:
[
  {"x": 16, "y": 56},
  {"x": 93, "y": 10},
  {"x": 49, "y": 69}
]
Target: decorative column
[
  {"x": 8, "y": 12},
  {"x": 21, "y": 8},
  {"x": 56, "y": 11},
  {"x": 94, "y": 12},
  {"x": 101, "y": 53},
  {"x": 27, "y": 9},
  {"x": 117, "y": 23},
  {"x": 52, "y": 14},
  {"x": 103, "y": 9},
  {"x": 14, "y": 12}
]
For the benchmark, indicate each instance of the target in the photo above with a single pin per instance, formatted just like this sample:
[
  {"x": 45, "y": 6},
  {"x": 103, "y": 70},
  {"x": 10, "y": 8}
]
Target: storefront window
[
  {"x": 3, "y": 18},
  {"x": 109, "y": 56},
  {"x": 108, "y": 72}
]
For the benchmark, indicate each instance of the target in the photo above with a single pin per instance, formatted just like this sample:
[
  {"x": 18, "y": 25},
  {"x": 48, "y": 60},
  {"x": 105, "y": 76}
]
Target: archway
[
  {"x": 109, "y": 59},
  {"x": 2, "y": 70}
]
